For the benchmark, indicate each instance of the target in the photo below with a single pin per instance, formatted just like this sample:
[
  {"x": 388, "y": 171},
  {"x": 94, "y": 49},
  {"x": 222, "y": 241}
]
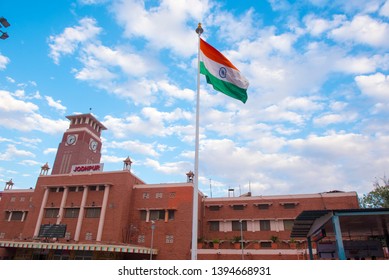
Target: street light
[
  {"x": 4, "y": 23},
  {"x": 152, "y": 239}
]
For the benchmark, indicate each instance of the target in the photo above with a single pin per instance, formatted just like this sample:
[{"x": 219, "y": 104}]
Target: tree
[{"x": 379, "y": 196}]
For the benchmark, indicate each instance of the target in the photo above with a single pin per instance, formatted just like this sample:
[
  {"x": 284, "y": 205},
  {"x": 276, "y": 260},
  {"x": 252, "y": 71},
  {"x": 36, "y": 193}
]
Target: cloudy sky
[{"x": 317, "y": 113}]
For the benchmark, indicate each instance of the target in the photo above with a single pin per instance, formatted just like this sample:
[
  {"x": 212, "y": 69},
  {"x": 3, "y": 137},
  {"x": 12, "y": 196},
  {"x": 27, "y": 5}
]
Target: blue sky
[{"x": 317, "y": 109}]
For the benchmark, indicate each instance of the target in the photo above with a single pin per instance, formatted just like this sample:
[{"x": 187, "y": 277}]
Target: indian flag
[{"x": 221, "y": 73}]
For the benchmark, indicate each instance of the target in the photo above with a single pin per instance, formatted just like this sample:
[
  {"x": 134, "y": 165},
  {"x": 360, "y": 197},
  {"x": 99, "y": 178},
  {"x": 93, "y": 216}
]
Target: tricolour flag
[{"x": 221, "y": 73}]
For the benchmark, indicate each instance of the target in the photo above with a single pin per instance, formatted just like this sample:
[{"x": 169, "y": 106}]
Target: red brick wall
[
  {"x": 180, "y": 228},
  {"x": 16, "y": 200},
  {"x": 276, "y": 211}
]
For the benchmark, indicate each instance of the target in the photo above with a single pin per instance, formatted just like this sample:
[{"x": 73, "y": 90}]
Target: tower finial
[{"x": 199, "y": 29}]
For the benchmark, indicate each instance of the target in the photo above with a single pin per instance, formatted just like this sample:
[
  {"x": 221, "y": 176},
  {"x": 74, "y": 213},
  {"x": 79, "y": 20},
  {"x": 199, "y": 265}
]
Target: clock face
[
  {"x": 93, "y": 145},
  {"x": 71, "y": 139}
]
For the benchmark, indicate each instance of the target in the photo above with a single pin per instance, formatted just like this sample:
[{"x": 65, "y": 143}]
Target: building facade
[{"x": 80, "y": 211}]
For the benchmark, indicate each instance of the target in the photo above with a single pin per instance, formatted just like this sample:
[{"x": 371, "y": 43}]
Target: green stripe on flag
[{"x": 223, "y": 86}]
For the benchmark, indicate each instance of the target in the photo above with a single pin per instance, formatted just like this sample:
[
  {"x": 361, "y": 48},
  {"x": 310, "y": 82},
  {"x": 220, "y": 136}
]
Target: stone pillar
[
  {"x": 81, "y": 214},
  {"x": 41, "y": 212},
  {"x": 102, "y": 213},
  {"x": 62, "y": 206}
]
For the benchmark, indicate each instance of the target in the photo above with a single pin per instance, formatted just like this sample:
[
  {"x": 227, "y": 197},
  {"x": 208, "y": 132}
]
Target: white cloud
[
  {"x": 150, "y": 121},
  {"x": 111, "y": 159},
  {"x": 20, "y": 115},
  {"x": 231, "y": 28},
  {"x": 67, "y": 42},
  {"x": 331, "y": 118},
  {"x": 180, "y": 167},
  {"x": 12, "y": 153},
  {"x": 135, "y": 147},
  {"x": 30, "y": 162},
  {"x": 364, "y": 30},
  {"x": 130, "y": 62},
  {"x": 55, "y": 104},
  {"x": 50, "y": 151},
  {"x": 10, "y": 104},
  {"x": 3, "y": 61},
  {"x": 317, "y": 26},
  {"x": 357, "y": 65},
  {"x": 9, "y": 79},
  {"x": 376, "y": 85},
  {"x": 164, "y": 25}
]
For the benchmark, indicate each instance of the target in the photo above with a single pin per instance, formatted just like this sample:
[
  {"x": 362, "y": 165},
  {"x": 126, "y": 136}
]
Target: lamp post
[
  {"x": 152, "y": 239},
  {"x": 3, "y": 23}
]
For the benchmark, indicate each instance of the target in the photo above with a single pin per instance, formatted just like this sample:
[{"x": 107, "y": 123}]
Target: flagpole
[{"x": 199, "y": 31}]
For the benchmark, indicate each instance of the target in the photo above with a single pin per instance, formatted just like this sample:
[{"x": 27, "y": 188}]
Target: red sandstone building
[{"x": 80, "y": 211}]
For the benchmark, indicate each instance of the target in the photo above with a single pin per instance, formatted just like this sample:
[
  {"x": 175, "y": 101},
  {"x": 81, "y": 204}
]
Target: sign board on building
[
  {"x": 52, "y": 231},
  {"x": 94, "y": 167}
]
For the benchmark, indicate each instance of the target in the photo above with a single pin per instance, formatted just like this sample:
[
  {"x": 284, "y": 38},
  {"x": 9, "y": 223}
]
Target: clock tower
[{"x": 81, "y": 143}]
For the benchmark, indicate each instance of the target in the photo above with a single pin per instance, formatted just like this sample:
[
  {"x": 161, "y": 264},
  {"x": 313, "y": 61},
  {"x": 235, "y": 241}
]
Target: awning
[
  {"x": 79, "y": 247},
  {"x": 360, "y": 221},
  {"x": 303, "y": 223}
]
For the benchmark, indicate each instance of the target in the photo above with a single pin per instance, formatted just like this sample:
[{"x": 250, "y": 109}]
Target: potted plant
[
  {"x": 200, "y": 242},
  {"x": 274, "y": 240},
  {"x": 236, "y": 241},
  {"x": 216, "y": 243},
  {"x": 292, "y": 243}
]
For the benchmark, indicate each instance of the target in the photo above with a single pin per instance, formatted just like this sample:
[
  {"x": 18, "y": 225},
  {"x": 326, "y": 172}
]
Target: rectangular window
[
  {"x": 92, "y": 188},
  {"x": 156, "y": 215},
  {"x": 158, "y": 195},
  {"x": 2, "y": 235},
  {"x": 72, "y": 189},
  {"x": 214, "y": 226},
  {"x": 22, "y": 199},
  {"x": 214, "y": 208},
  {"x": 263, "y": 206},
  {"x": 236, "y": 225},
  {"x": 288, "y": 224},
  {"x": 238, "y": 207},
  {"x": 264, "y": 225},
  {"x": 289, "y": 206},
  {"x": 143, "y": 215},
  {"x": 171, "y": 215},
  {"x": 17, "y": 215},
  {"x": 13, "y": 199},
  {"x": 72, "y": 212},
  {"x": 52, "y": 213},
  {"x": 93, "y": 212},
  {"x": 146, "y": 195}
]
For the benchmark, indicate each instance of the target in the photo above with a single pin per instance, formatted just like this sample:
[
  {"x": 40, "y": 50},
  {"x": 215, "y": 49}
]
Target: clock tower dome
[{"x": 81, "y": 143}]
